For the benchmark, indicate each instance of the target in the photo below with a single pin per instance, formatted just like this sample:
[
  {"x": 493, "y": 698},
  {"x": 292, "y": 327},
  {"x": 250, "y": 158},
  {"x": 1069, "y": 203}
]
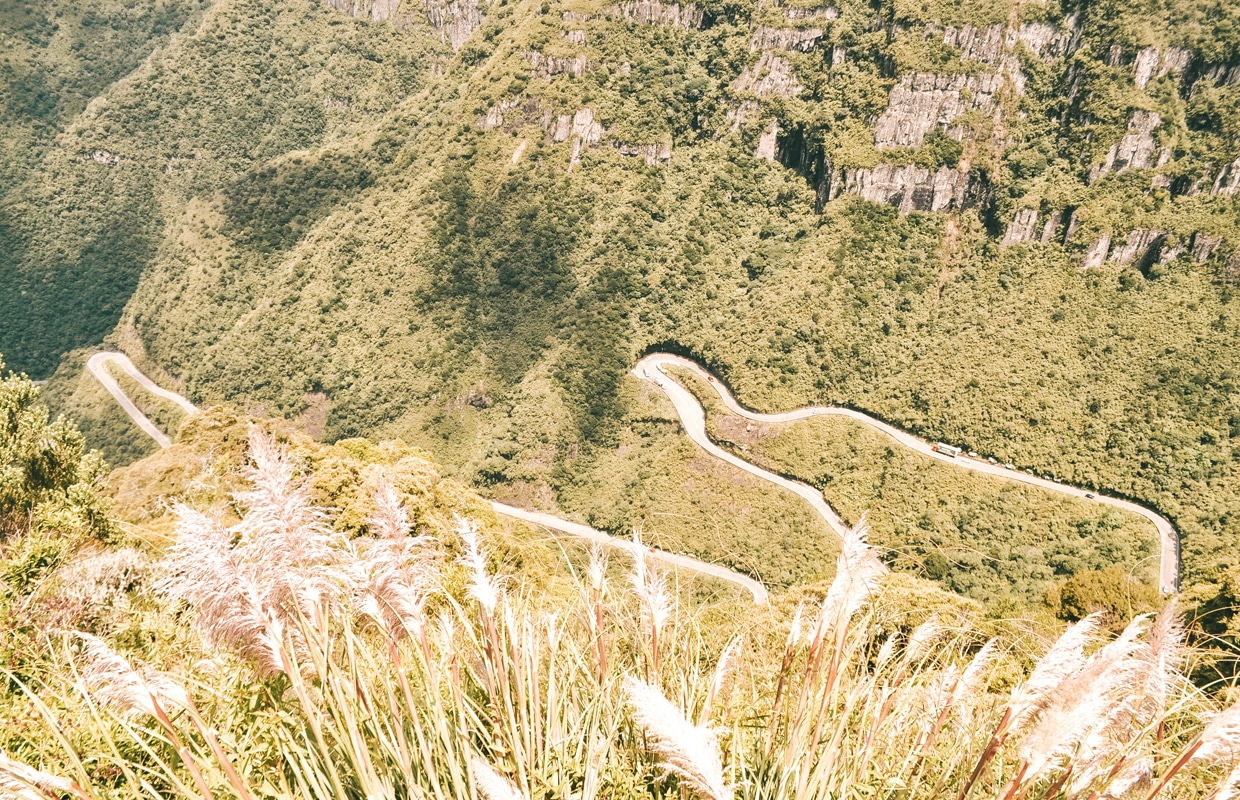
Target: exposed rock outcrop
[
  {"x": 768, "y": 142},
  {"x": 1136, "y": 150},
  {"x": 1152, "y": 63},
  {"x": 770, "y": 77},
  {"x": 1228, "y": 181},
  {"x": 543, "y": 66},
  {"x": 455, "y": 20},
  {"x": 575, "y": 36},
  {"x": 799, "y": 39},
  {"x": 580, "y": 125},
  {"x": 102, "y": 157},
  {"x": 652, "y": 12},
  {"x": 1223, "y": 73},
  {"x": 658, "y": 153},
  {"x": 1053, "y": 221},
  {"x": 1096, "y": 255},
  {"x": 797, "y": 14},
  {"x": 1021, "y": 227},
  {"x": 495, "y": 114},
  {"x": 921, "y": 102},
  {"x": 1203, "y": 245},
  {"x": 374, "y": 10},
  {"x": 747, "y": 110},
  {"x": 909, "y": 188},
  {"x": 1143, "y": 246}
]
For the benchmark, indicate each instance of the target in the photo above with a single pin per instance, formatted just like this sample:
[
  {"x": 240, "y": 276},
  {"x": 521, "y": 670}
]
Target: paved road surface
[
  {"x": 97, "y": 363},
  {"x": 692, "y": 417},
  {"x": 759, "y": 592}
]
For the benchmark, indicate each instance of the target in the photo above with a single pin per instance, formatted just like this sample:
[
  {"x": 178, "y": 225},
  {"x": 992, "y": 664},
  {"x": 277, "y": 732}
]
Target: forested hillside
[{"x": 1011, "y": 225}]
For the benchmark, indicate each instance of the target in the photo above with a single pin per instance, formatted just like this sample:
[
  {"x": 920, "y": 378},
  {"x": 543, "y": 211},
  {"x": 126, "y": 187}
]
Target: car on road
[
  {"x": 1091, "y": 496},
  {"x": 645, "y": 372}
]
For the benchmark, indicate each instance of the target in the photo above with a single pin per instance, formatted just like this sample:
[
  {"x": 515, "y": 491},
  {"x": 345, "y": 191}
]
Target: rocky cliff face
[
  {"x": 455, "y": 20},
  {"x": 975, "y": 100},
  {"x": 374, "y": 10},
  {"x": 920, "y": 103},
  {"x": 771, "y": 76},
  {"x": 1137, "y": 150},
  {"x": 910, "y": 188},
  {"x": 800, "y": 40},
  {"x": 652, "y": 12},
  {"x": 542, "y": 66}
]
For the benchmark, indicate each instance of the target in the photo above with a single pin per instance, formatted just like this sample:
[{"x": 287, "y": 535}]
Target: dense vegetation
[{"x": 323, "y": 223}]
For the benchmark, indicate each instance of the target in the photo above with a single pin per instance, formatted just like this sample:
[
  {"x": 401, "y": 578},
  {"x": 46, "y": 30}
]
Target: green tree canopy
[{"x": 48, "y": 481}]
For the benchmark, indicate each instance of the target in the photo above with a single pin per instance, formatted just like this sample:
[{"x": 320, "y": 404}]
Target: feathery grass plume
[
  {"x": 1218, "y": 743},
  {"x": 1064, "y": 659},
  {"x": 1083, "y": 703},
  {"x": 1027, "y": 700},
  {"x": 491, "y": 784},
  {"x": 972, "y": 681},
  {"x": 858, "y": 573},
  {"x": 596, "y": 571},
  {"x": 110, "y": 679},
  {"x": 922, "y": 637},
  {"x": 281, "y": 525},
  {"x": 689, "y": 751},
  {"x": 1163, "y": 660},
  {"x": 214, "y": 578},
  {"x": 389, "y": 520},
  {"x": 1227, "y": 790},
  {"x": 886, "y": 651},
  {"x": 1135, "y": 776},
  {"x": 20, "y": 781},
  {"x": 651, "y": 591},
  {"x": 238, "y": 579},
  {"x": 1220, "y": 740},
  {"x": 723, "y": 671},
  {"x": 482, "y": 585},
  {"x": 391, "y": 579}
]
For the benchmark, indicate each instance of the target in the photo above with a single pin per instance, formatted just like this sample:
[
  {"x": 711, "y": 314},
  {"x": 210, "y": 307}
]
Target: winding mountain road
[
  {"x": 693, "y": 419},
  {"x": 97, "y": 364}
]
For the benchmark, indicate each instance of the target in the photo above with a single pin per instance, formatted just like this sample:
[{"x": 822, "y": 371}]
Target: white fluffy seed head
[
  {"x": 1220, "y": 740},
  {"x": 922, "y": 637},
  {"x": 858, "y": 573},
  {"x": 1064, "y": 659},
  {"x": 689, "y": 751},
  {"x": 389, "y": 520},
  {"x": 482, "y": 585},
  {"x": 596, "y": 570},
  {"x": 1083, "y": 704},
  {"x": 491, "y": 784},
  {"x": 20, "y": 781},
  {"x": 111, "y": 680}
]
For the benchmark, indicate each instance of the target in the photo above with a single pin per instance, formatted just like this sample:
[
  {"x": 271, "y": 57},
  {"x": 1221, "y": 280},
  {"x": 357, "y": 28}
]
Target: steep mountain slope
[{"x": 1011, "y": 225}]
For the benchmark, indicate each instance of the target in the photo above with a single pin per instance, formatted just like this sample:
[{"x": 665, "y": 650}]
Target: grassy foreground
[{"x": 397, "y": 662}]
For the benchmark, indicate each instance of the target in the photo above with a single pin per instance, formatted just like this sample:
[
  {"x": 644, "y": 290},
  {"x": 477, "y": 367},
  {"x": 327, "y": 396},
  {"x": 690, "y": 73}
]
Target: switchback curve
[
  {"x": 693, "y": 419},
  {"x": 98, "y": 362}
]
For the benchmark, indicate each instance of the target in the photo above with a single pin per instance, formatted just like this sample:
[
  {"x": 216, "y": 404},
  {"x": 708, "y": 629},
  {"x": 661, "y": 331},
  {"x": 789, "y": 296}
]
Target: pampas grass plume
[{"x": 689, "y": 751}]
